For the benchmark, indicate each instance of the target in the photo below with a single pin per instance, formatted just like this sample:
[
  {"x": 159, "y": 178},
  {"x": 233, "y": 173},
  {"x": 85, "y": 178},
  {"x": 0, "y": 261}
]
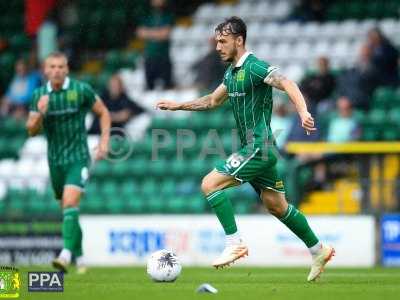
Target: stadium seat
[
  {"x": 176, "y": 205},
  {"x": 383, "y": 97},
  {"x": 196, "y": 204},
  {"x": 155, "y": 204},
  {"x": 135, "y": 204}
]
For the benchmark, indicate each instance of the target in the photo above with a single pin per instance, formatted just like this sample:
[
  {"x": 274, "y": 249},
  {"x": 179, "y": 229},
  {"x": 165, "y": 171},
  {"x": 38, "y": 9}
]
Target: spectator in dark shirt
[
  {"x": 359, "y": 82},
  {"x": 121, "y": 108},
  {"x": 318, "y": 87},
  {"x": 385, "y": 57},
  {"x": 209, "y": 69},
  {"x": 155, "y": 29},
  {"x": 309, "y": 10}
]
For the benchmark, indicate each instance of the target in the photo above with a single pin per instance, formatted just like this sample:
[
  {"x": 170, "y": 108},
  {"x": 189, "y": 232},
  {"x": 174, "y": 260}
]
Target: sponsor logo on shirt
[
  {"x": 62, "y": 112},
  {"x": 236, "y": 94}
]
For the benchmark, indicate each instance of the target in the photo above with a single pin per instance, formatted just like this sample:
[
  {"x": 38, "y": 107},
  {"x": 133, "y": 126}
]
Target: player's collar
[
  {"x": 64, "y": 86},
  {"x": 242, "y": 59}
]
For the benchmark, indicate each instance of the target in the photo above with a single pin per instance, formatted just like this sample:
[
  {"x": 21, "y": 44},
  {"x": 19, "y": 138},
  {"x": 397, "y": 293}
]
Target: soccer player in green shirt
[
  {"x": 60, "y": 108},
  {"x": 248, "y": 84}
]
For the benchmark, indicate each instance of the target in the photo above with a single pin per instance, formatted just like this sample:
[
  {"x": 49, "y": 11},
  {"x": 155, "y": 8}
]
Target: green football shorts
[
  {"x": 74, "y": 174},
  {"x": 254, "y": 165}
]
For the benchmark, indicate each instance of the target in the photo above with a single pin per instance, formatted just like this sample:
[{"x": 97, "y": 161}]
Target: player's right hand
[
  {"x": 167, "y": 105},
  {"x": 43, "y": 104}
]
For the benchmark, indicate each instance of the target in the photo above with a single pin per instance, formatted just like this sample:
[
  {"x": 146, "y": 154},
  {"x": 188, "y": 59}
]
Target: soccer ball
[{"x": 163, "y": 266}]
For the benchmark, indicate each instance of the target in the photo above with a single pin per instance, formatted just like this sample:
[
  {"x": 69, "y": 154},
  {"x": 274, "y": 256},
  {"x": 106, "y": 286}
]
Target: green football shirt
[
  {"x": 156, "y": 19},
  {"x": 64, "y": 122},
  {"x": 250, "y": 98}
]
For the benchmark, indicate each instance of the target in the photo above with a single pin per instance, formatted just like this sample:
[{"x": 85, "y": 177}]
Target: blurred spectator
[
  {"x": 319, "y": 86},
  {"x": 121, "y": 108},
  {"x": 281, "y": 122},
  {"x": 155, "y": 29},
  {"x": 309, "y": 10},
  {"x": 359, "y": 82},
  {"x": 47, "y": 37},
  {"x": 344, "y": 127},
  {"x": 16, "y": 100},
  {"x": 384, "y": 57},
  {"x": 209, "y": 69},
  {"x": 298, "y": 134}
]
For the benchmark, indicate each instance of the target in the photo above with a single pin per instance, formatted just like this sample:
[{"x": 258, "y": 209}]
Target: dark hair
[{"x": 233, "y": 25}]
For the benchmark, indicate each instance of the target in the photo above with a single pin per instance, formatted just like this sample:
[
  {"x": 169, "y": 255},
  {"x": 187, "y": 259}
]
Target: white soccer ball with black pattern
[{"x": 163, "y": 266}]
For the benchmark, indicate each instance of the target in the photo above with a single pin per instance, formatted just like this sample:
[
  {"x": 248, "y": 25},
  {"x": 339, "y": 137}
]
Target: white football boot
[
  {"x": 230, "y": 254},
  {"x": 319, "y": 260}
]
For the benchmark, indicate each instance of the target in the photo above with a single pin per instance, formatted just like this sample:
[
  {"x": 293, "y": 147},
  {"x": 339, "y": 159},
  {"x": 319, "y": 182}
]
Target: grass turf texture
[{"x": 234, "y": 283}]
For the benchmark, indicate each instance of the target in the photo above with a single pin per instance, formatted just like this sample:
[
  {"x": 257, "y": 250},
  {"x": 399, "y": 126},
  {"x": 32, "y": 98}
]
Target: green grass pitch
[{"x": 234, "y": 283}]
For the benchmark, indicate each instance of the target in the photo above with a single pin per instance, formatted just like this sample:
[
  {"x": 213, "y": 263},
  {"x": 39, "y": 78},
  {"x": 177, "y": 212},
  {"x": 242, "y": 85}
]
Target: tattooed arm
[
  {"x": 279, "y": 81},
  {"x": 207, "y": 102}
]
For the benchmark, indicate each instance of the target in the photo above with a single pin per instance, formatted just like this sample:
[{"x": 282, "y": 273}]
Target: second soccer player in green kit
[
  {"x": 248, "y": 84},
  {"x": 60, "y": 107}
]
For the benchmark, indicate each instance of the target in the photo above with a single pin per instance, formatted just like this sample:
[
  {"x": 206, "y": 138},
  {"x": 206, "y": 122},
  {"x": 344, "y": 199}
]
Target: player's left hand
[
  {"x": 101, "y": 151},
  {"x": 307, "y": 122}
]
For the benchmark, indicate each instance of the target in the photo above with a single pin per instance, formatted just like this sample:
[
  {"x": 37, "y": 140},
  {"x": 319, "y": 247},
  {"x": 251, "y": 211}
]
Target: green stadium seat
[
  {"x": 101, "y": 169},
  {"x": 394, "y": 115},
  {"x": 196, "y": 204},
  {"x": 109, "y": 190},
  {"x": 197, "y": 168},
  {"x": 371, "y": 133},
  {"x": 20, "y": 42},
  {"x": 93, "y": 204},
  {"x": 242, "y": 207},
  {"x": 150, "y": 187},
  {"x": 120, "y": 169},
  {"x": 168, "y": 188},
  {"x": 116, "y": 205},
  {"x": 158, "y": 168},
  {"x": 135, "y": 204},
  {"x": 390, "y": 132},
  {"x": 177, "y": 205},
  {"x": 128, "y": 189},
  {"x": 138, "y": 165},
  {"x": 155, "y": 203},
  {"x": 53, "y": 207},
  {"x": 377, "y": 116},
  {"x": 383, "y": 97},
  {"x": 16, "y": 205},
  {"x": 178, "y": 168},
  {"x": 36, "y": 206},
  {"x": 3, "y": 208}
]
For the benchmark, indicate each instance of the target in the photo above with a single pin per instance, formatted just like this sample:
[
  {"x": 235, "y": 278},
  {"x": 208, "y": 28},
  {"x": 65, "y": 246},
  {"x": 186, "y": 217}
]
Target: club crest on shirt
[
  {"x": 72, "y": 96},
  {"x": 279, "y": 184},
  {"x": 240, "y": 75}
]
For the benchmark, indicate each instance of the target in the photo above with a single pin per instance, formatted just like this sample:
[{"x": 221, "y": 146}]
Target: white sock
[
  {"x": 65, "y": 255},
  {"x": 80, "y": 261},
  {"x": 315, "y": 249},
  {"x": 233, "y": 239}
]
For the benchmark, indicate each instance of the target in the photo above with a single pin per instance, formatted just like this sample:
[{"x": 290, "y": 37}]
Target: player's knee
[
  {"x": 275, "y": 206},
  {"x": 207, "y": 186},
  {"x": 276, "y": 210},
  {"x": 69, "y": 203}
]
